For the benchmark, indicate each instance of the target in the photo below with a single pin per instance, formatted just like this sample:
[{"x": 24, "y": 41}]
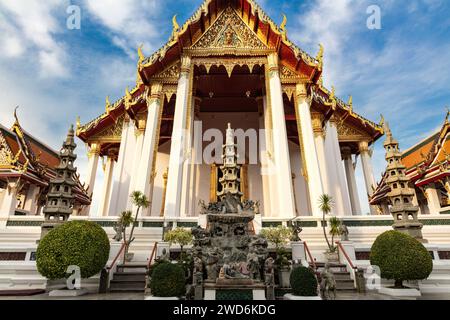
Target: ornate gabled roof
[
  {"x": 22, "y": 155},
  {"x": 261, "y": 35},
  {"x": 328, "y": 99}
]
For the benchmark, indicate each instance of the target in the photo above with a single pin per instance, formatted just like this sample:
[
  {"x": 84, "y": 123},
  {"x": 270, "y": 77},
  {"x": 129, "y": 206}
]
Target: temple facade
[{"x": 230, "y": 63}]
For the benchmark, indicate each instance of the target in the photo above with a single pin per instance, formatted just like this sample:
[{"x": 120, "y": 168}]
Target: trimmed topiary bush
[
  {"x": 168, "y": 281},
  {"x": 400, "y": 257},
  {"x": 303, "y": 282},
  {"x": 79, "y": 243}
]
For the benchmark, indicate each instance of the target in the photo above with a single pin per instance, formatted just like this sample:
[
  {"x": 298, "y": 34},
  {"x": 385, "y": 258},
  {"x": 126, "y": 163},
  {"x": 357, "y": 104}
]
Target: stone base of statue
[
  {"x": 234, "y": 282},
  {"x": 255, "y": 291}
]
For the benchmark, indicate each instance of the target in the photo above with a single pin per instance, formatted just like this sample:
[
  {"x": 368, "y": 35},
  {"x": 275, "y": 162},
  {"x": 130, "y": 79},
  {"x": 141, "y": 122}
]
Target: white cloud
[{"x": 32, "y": 24}]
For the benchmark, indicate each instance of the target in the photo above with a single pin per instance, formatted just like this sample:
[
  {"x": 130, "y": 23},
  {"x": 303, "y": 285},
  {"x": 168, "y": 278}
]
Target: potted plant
[
  {"x": 124, "y": 221},
  {"x": 75, "y": 243},
  {"x": 304, "y": 285},
  {"x": 279, "y": 237},
  {"x": 326, "y": 205},
  {"x": 400, "y": 257},
  {"x": 167, "y": 282},
  {"x": 139, "y": 200},
  {"x": 180, "y": 236}
]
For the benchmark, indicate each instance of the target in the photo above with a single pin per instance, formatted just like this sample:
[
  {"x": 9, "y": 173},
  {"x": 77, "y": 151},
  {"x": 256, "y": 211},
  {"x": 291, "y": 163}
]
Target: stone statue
[
  {"x": 118, "y": 228},
  {"x": 327, "y": 283},
  {"x": 211, "y": 265},
  {"x": 296, "y": 230},
  {"x": 269, "y": 272},
  {"x": 343, "y": 230},
  {"x": 253, "y": 266},
  {"x": 165, "y": 256}
]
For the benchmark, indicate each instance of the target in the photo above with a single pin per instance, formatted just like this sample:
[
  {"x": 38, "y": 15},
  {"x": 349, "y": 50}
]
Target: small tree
[
  {"x": 326, "y": 205},
  {"x": 179, "y": 236},
  {"x": 139, "y": 200},
  {"x": 400, "y": 257},
  {"x": 125, "y": 220},
  {"x": 335, "y": 229},
  {"x": 279, "y": 236}
]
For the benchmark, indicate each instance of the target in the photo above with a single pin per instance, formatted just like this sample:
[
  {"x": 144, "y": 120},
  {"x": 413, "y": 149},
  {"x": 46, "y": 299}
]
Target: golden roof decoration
[
  {"x": 319, "y": 57},
  {"x": 283, "y": 26}
]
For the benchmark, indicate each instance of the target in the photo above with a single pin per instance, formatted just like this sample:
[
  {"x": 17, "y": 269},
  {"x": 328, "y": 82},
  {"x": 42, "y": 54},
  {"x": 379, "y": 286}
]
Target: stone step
[
  {"x": 126, "y": 284},
  {"x": 129, "y": 290},
  {"x": 132, "y": 267},
  {"x": 130, "y": 276}
]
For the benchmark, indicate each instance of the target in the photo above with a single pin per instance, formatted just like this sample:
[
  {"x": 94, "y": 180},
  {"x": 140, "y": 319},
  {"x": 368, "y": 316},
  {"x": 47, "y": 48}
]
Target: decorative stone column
[
  {"x": 366, "y": 160},
  {"x": 434, "y": 202},
  {"x": 107, "y": 185},
  {"x": 93, "y": 157},
  {"x": 351, "y": 180},
  {"x": 9, "y": 203},
  {"x": 340, "y": 187},
  {"x": 280, "y": 156},
  {"x": 178, "y": 141},
  {"x": 311, "y": 167},
  {"x": 151, "y": 140}
]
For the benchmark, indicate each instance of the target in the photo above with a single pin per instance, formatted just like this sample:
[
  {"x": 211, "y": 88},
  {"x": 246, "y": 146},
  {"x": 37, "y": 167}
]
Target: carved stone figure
[
  {"x": 253, "y": 266},
  {"x": 343, "y": 230},
  {"x": 269, "y": 271},
  {"x": 118, "y": 228},
  {"x": 296, "y": 230},
  {"x": 165, "y": 256},
  {"x": 327, "y": 283}
]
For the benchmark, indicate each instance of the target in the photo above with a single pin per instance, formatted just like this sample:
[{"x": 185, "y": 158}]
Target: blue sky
[{"x": 55, "y": 74}]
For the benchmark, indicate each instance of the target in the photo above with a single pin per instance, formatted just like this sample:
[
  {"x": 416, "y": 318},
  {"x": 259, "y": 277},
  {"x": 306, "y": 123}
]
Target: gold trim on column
[
  {"x": 163, "y": 203},
  {"x": 213, "y": 184}
]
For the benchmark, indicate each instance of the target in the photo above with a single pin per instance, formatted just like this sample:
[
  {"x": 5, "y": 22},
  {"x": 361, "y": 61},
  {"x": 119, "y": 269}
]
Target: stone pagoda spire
[
  {"x": 230, "y": 169},
  {"x": 60, "y": 197},
  {"x": 401, "y": 195}
]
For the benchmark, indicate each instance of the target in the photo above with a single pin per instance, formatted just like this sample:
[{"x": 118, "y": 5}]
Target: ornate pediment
[
  {"x": 5, "y": 152},
  {"x": 229, "y": 31},
  {"x": 348, "y": 132},
  {"x": 170, "y": 74},
  {"x": 113, "y": 133}
]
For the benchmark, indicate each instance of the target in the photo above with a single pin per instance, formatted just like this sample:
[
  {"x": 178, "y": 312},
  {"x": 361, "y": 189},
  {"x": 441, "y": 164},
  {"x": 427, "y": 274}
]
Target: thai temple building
[{"x": 296, "y": 140}]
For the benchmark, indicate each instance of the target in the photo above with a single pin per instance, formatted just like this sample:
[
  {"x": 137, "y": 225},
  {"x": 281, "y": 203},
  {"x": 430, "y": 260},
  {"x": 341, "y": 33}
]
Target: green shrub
[
  {"x": 400, "y": 257},
  {"x": 79, "y": 243},
  {"x": 303, "y": 282},
  {"x": 168, "y": 280}
]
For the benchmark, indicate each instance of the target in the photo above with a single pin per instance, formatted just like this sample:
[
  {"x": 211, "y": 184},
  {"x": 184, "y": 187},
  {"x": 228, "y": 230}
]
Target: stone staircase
[
  {"x": 129, "y": 277},
  {"x": 344, "y": 282}
]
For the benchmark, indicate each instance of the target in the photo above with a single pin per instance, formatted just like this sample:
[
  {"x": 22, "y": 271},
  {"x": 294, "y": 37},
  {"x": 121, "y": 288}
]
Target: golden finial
[
  {"x": 448, "y": 114},
  {"x": 319, "y": 57},
  {"x": 140, "y": 54},
  {"x": 107, "y": 104},
  {"x": 350, "y": 102},
  {"x": 15, "y": 115},
  {"x": 175, "y": 25},
  {"x": 381, "y": 124},
  {"x": 283, "y": 26},
  {"x": 78, "y": 122},
  {"x": 333, "y": 93},
  {"x": 128, "y": 94}
]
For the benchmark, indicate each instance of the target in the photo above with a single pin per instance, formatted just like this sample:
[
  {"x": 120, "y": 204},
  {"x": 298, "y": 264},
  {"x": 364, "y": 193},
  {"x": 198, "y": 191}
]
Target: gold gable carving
[
  {"x": 350, "y": 133},
  {"x": 112, "y": 133},
  {"x": 170, "y": 74},
  {"x": 229, "y": 31},
  {"x": 5, "y": 152}
]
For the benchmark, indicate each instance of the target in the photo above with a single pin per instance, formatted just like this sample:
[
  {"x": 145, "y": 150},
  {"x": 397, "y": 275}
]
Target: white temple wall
[
  {"x": 162, "y": 163},
  {"x": 300, "y": 186}
]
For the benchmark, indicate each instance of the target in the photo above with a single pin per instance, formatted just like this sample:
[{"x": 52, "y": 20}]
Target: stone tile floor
[{"x": 140, "y": 296}]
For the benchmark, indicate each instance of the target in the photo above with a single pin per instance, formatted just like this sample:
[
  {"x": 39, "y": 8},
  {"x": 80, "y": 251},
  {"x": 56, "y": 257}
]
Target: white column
[
  {"x": 151, "y": 141},
  {"x": 311, "y": 167},
  {"x": 31, "y": 199},
  {"x": 341, "y": 193},
  {"x": 114, "y": 209},
  {"x": 265, "y": 208},
  {"x": 107, "y": 185},
  {"x": 323, "y": 158},
  {"x": 188, "y": 164},
  {"x": 93, "y": 157},
  {"x": 366, "y": 161},
  {"x": 284, "y": 192},
  {"x": 434, "y": 202},
  {"x": 9, "y": 203},
  {"x": 139, "y": 136},
  {"x": 178, "y": 142},
  {"x": 351, "y": 181}
]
